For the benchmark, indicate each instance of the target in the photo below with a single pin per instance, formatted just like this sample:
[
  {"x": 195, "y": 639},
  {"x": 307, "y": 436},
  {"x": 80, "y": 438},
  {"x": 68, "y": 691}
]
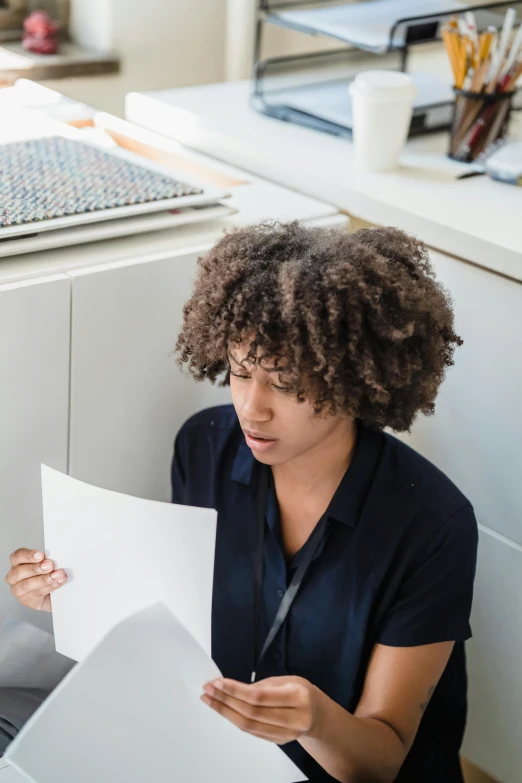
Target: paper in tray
[
  {"x": 368, "y": 24},
  {"x": 331, "y": 102},
  {"x": 132, "y": 713}
]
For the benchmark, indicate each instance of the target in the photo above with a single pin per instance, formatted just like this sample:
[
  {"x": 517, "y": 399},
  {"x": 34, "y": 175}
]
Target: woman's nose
[{"x": 255, "y": 407}]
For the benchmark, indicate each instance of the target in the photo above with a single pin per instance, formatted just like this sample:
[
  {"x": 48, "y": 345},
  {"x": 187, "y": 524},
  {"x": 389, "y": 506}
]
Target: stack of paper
[
  {"x": 131, "y": 709},
  {"x": 132, "y": 712}
]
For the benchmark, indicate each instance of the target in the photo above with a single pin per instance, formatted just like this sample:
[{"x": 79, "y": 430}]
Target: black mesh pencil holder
[{"x": 480, "y": 120}]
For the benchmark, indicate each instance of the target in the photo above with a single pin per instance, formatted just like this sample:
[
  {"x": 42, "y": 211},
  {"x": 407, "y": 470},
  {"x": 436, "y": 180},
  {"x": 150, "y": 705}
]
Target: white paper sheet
[
  {"x": 28, "y": 658},
  {"x": 9, "y": 774},
  {"x": 132, "y": 712},
  {"x": 367, "y": 24},
  {"x": 122, "y": 554}
]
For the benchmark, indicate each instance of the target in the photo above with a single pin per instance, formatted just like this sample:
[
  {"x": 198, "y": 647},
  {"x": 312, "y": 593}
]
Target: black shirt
[{"x": 395, "y": 567}]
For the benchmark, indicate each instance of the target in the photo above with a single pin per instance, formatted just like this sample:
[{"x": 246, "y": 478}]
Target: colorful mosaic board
[{"x": 42, "y": 179}]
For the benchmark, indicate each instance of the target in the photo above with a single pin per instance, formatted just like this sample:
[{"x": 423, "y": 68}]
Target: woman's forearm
[{"x": 352, "y": 749}]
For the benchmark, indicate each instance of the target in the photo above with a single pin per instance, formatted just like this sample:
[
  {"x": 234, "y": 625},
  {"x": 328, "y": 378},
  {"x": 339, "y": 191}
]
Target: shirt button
[{"x": 280, "y": 593}]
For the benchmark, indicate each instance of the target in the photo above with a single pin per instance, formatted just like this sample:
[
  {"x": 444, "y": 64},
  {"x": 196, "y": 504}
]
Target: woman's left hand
[{"x": 278, "y": 709}]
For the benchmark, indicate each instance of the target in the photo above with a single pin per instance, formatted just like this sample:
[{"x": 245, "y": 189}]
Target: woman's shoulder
[
  {"x": 203, "y": 450},
  {"x": 422, "y": 482},
  {"x": 209, "y": 434},
  {"x": 221, "y": 418}
]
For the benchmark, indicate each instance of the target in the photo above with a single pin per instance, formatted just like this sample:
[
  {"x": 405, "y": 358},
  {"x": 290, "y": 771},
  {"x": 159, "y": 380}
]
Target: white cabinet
[
  {"x": 476, "y": 433},
  {"x": 128, "y": 397},
  {"x": 494, "y": 655},
  {"x": 34, "y": 409},
  {"x": 475, "y": 437}
]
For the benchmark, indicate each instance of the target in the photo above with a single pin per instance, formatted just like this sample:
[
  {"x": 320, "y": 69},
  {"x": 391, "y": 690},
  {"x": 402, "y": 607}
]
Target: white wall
[
  {"x": 91, "y": 24},
  {"x": 162, "y": 43},
  {"x": 170, "y": 43},
  {"x": 277, "y": 41}
]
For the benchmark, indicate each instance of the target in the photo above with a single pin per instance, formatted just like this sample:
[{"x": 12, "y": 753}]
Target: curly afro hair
[{"x": 358, "y": 321}]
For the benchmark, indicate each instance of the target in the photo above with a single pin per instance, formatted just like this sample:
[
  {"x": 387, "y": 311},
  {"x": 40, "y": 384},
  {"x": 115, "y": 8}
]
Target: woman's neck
[
  {"x": 326, "y": 463},
  {"x": 306, "y": 485}
]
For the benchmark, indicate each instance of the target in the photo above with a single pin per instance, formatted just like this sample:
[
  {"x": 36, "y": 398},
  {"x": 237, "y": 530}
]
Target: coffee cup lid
[{"x": 384, "y": 83}]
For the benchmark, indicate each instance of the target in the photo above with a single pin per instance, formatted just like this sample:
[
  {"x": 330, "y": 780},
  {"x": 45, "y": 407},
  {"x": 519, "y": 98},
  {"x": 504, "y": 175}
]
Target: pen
[
  {"x": 496, "y": 126},
  {"x": 513, "y": 53},
  {"x": 501, "y": 50}
]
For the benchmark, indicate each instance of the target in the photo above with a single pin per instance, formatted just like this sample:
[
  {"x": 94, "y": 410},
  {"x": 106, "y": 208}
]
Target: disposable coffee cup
[{"x": 382, "y": 107}]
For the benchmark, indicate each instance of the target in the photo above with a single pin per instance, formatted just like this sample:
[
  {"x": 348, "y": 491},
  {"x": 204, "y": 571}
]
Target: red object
[{"x": 40, "y": 33}]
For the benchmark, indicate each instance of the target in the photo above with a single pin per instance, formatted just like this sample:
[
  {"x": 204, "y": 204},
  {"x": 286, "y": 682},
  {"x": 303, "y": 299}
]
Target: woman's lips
[{"x": 257, "y": 443}]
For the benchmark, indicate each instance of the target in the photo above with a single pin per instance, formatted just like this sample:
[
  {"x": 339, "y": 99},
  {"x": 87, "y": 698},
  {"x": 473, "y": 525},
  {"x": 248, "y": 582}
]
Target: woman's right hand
[{"x": 32, "y": 578}]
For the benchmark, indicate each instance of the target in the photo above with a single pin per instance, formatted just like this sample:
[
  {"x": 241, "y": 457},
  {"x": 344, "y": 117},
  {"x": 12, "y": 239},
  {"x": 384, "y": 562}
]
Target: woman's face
[{"x": 277, "y": 427}]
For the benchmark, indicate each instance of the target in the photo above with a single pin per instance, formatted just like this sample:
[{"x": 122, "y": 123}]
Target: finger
[
  {"x": 26, "y": 556},
  {"x": 273, "y": 692},
  {"x": 271, "y": 733},
  {"x": 27, "y": 570},
  {"x": 283, "y": 717},
  {"x": 39, "y": 586}
]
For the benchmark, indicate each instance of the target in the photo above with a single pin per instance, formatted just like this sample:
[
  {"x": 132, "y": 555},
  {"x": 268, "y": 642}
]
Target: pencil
[
  {"x": 463, "y": 61},
  {"x": 485, "y": 43},
  {"x": 449, "y": 39},
  {"x": 479, "y": 77}
]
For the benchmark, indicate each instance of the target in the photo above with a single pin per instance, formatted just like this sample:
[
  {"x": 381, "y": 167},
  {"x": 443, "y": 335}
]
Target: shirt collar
[
  {"x": 347, "y": 503},
  {"x": 244, "y": 463}
]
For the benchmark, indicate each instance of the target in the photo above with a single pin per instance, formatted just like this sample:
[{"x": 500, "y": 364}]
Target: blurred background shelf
[
  {"x": 311, "y": 88},
  {"x": 73, "y": 60}
]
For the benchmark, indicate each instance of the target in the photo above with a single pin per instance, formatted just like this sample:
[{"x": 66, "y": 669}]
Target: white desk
[
  {"x": 474, "y": 219},
  {"x": 476, "y": 432}
]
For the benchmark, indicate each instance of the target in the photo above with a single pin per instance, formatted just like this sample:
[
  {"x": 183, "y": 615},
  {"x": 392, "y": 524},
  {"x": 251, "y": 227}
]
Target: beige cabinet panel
[
  {"x": 493, "y": 738},
  {"x": 475, "y": 435},
  {"x": 128, "y": 397},
  {"x": 34, "y": 409}
]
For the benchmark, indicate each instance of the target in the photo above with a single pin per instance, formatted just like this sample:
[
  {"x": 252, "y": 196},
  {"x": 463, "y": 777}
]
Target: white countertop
[{"x": 475, "y": 219}]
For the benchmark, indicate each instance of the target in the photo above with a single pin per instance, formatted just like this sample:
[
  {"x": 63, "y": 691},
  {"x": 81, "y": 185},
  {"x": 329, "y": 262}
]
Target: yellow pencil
[
  {"x": 449, "y": 41},
  {"x": 486, "y": 39},
  {"x": 463, "y": 61}
]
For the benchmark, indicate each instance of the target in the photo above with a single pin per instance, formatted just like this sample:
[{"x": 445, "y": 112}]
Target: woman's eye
[
  {"x": 284, "y": 389},
  {"x": 242, "y": 377}
]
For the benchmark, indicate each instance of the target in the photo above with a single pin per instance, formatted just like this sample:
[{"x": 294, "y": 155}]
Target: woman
[{"x": 344, "y": 561}]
